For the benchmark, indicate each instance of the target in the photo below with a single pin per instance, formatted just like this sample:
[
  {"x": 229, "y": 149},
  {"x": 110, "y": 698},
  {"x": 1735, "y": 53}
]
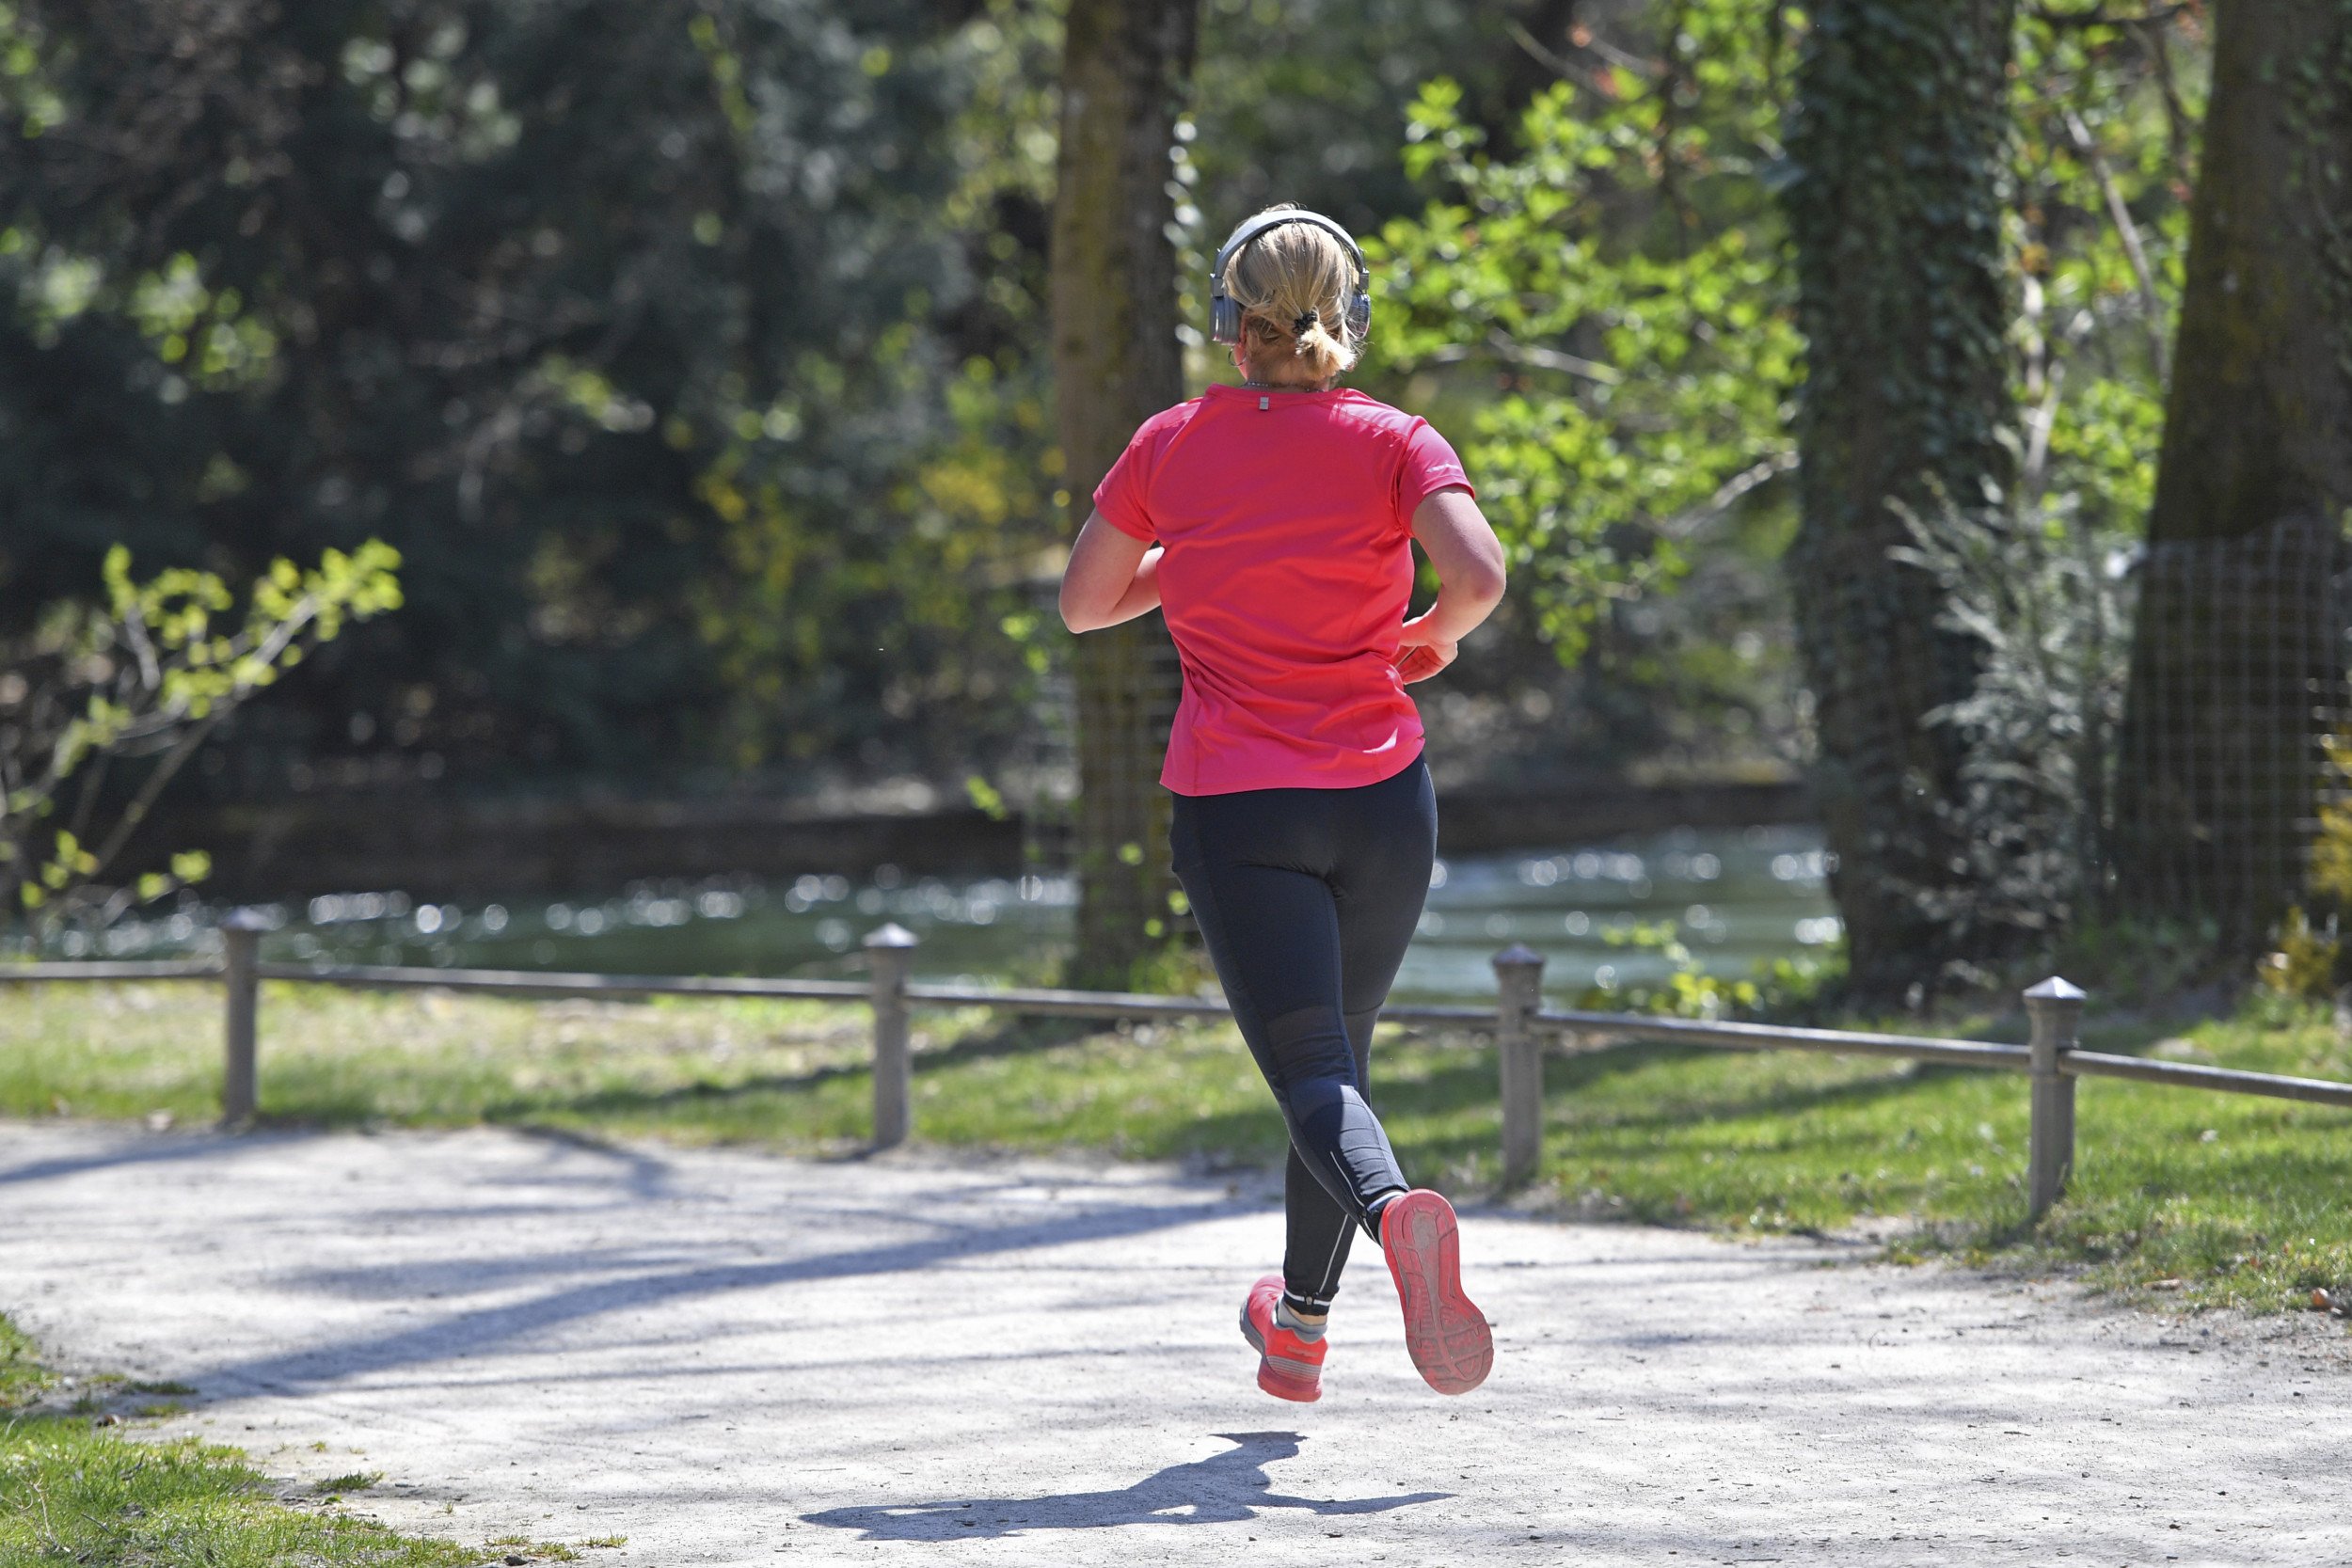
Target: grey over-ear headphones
[{"x": 1225, "y": 315}]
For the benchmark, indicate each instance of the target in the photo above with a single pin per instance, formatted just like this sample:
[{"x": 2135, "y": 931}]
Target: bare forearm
[
  {"x": 1469, "y": 562},
  {"x": 1142, "y": 594},
  {"x": 1459, "y": 609}
]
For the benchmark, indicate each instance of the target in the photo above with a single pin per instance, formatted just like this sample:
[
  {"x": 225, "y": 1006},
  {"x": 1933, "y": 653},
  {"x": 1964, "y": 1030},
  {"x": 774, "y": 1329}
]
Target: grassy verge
[
  {"x": 72, "y": 1490},
  {"x": 2222, "y": 1198}
]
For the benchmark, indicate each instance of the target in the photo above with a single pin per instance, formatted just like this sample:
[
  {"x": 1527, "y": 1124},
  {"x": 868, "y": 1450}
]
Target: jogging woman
[{"x": 1273, "y": 522}]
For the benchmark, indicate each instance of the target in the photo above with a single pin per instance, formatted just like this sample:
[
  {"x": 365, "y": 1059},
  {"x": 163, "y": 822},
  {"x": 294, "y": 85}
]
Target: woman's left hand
[{"x": 1420, "y": 656}]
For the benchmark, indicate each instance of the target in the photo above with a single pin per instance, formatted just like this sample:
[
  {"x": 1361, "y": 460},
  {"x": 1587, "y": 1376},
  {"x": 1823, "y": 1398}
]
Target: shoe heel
[
  {"x": 1445, "y": 1333},
  {"x": 1283, "y": 1385}
]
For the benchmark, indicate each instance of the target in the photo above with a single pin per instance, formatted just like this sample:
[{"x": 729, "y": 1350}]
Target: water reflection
[{"x": 1739, "y": 896}]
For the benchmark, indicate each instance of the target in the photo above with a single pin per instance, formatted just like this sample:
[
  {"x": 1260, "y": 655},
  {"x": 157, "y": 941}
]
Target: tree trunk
[
  {"x": 2238, "y": 658},
  {"x": 1116, "y": 363},
  {"x": 1899, "y": 143}
]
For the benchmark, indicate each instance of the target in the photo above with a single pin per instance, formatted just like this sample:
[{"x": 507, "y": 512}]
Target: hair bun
[{"x": 1288, "y": 290}]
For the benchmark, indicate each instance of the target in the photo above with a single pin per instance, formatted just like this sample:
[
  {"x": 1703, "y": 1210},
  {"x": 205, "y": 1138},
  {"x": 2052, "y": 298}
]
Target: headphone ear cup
[
  {"x": 1224, "y": 320},
  {"x": 1359, "y": 315}
]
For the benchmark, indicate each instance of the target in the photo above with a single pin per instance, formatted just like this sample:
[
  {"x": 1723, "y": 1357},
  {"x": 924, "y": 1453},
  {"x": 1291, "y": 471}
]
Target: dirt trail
[{"x": 731, "y": 1358}]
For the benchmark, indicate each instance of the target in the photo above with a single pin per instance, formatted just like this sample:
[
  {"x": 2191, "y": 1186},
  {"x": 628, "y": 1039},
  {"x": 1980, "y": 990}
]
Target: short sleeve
[
  {"x": 1123, "y": 498},
  {"x": 1429, "y": 465}
]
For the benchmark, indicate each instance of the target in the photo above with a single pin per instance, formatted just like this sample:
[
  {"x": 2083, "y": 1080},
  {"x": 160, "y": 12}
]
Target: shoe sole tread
[{"x": 1448, "y": 1338}]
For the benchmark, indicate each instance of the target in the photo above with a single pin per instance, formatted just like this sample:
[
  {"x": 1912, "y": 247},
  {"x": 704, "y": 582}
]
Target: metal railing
[{"x": 1518, "y": 1020}]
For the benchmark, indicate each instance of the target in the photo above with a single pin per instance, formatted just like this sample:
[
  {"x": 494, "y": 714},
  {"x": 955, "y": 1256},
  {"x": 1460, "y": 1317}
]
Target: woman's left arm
[{"x": 1112, "y": 577}]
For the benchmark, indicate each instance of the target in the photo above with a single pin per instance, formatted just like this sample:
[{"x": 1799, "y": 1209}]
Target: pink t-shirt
[{"x": 1287, "y": 518}]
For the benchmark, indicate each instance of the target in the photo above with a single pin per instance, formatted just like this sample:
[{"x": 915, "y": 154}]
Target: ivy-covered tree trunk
[
  {"x": 1898, "y": 142},
  {"x": 2238, "y": 657},
  {"x": 1116, "y": 363}
]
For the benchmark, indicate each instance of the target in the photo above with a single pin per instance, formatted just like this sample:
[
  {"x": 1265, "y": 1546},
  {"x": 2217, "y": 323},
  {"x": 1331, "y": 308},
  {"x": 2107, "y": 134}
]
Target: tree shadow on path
[{"x": 1223, "y": 1489}]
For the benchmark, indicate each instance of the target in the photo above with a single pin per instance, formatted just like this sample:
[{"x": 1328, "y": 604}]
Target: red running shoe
[
  {"x": 1289, "y": 1367},
  {"x": 1446, "y": 1336}
]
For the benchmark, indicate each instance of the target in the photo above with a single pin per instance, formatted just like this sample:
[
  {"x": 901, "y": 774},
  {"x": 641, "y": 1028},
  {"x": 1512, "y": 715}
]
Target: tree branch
[
  {"x": 1551, "y": 60},
  {"x": 2128, "y": 232},
  {"x": 136, "y": 813},
  {"x": 1504, "y": 347},
  {"x": 1683, "y": 524},
  {"x": 2154, "y": 16}
]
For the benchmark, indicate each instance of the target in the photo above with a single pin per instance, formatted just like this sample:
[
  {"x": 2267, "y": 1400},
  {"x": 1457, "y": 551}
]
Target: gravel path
[{"x": 731, "y": 1358}]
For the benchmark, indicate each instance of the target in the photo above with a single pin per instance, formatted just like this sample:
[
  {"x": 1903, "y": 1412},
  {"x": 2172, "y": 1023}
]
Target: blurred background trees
[
  {"x": 693, "y": 354},
  {"x": 603, "y": 315},
  {"x": 696, "y": 356}
]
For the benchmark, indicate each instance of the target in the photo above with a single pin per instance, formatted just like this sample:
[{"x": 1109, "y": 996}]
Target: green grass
[
  {"x": 2235, "y": 1199},
  {"x": 94, "y": 1492},
  {"x": 22, "y": 1378},
  {"x": 2228, "y": 1199},
  {"x": 73, "y": 1491}
]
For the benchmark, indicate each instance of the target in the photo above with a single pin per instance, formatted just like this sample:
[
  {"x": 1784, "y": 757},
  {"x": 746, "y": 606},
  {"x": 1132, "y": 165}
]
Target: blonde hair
[{"x": 1292, "y": 284}]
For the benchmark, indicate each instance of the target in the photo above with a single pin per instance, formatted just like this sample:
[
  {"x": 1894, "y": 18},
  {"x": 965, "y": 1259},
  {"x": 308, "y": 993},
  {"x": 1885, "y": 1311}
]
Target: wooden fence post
[
  {"x": 1518, "y": 995},
  {"x": 2055, "y": 1010},
  {"x": 889, "y": 954},
  {"x": 240, "y": 950}
]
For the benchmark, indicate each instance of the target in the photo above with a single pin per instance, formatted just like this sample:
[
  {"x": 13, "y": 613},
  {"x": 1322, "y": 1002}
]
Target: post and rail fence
[{"x": 1520, "y": 1024}]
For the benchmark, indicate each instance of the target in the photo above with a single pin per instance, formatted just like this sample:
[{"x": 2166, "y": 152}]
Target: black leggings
[{"x": 1306, "y": 899}]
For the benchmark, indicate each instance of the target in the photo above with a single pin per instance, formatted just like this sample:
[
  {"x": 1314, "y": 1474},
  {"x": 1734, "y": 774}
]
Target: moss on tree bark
[
  {"x": 1898, "y": 142},
  {"x": 1116, "y": 363}
]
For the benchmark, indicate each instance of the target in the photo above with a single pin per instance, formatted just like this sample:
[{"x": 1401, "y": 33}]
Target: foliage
[
  {"x": 2020, "y": 553},
  {"x": 2046, "y": 598},
  {"x": 1636, "y": 206},
  {"x": 1894, "y": 201},
  {"x": 1619, "y": 279},
  {"x": 2153, "y": 963},
  {"x": 2107, "y": 117},
  {"x": 692, "y": 353},
  {"x": 2319, "y": 104},
  {"x": 2331, "y": 848},
  {"x": 2308, "y": 960},
  {"x": 1688, "y": 991},
  {"x": 607, "y": 316},
  {"x": 2304, "y": 963},
  {"x": 693, "y": 356},
  {"x": 146, "y": 677}
]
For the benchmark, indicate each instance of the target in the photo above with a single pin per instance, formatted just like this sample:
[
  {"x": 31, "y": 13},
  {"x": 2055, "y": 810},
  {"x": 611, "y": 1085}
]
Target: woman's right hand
[{"x": 1420, "y": 654}]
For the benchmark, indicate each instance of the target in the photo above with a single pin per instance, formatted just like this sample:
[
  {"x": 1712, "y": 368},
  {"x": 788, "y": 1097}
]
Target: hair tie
[{"x": 1306, "y": 319}]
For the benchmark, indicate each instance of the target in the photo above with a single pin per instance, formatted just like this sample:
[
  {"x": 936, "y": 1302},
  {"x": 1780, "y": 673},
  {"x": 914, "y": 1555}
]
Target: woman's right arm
[
  {"x": 1470, "y": 578},
  {"x": 1112, "y": 577}
]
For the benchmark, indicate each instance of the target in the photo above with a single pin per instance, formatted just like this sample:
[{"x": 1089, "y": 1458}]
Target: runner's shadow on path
[{"x": 1223, "y": 1489}]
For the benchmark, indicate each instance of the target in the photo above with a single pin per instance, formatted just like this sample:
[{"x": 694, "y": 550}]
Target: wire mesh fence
[{"x": 2239, "y": 676}]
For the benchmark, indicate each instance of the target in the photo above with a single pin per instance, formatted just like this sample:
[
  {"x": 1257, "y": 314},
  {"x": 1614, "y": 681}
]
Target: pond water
[{"x": 1739, "y": 896}]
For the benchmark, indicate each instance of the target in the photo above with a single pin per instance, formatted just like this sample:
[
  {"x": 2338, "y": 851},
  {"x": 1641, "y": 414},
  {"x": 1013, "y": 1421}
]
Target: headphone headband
[{"x": 1225, "y": 316}]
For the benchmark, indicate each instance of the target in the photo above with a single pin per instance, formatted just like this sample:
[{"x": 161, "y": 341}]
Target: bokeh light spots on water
[{"x": 1737, "y": 896}]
